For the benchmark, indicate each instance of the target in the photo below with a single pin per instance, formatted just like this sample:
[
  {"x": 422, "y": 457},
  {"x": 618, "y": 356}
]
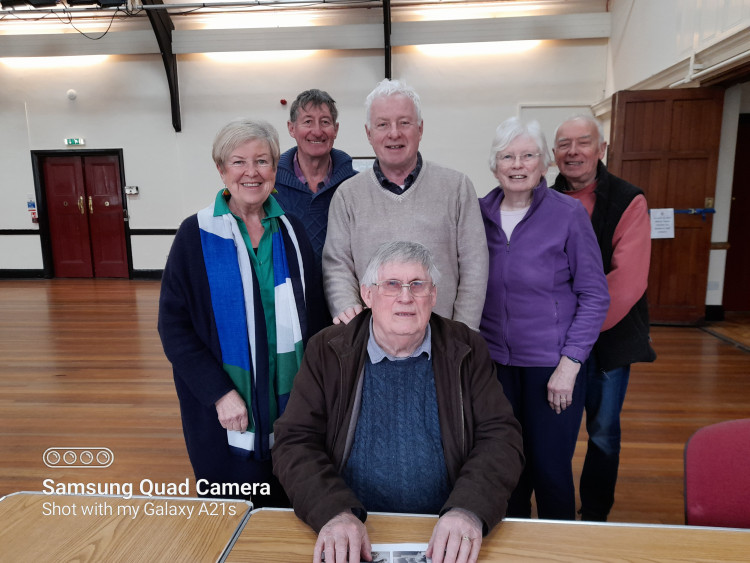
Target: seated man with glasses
[{"x": 398, "y": 411}]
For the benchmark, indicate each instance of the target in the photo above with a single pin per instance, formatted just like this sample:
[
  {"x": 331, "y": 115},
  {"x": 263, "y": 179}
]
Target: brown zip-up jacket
[{"x": 481, "y": 437}]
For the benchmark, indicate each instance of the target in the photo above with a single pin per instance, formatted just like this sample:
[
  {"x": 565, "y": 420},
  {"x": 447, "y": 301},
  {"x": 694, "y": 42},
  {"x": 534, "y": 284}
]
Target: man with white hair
[
  {"x": 619, "y": 215},
  {"x": 404, "y": 197},
  {"x": 400, "y": 410}
]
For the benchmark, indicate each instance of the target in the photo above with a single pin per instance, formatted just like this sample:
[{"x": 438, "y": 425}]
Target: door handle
[
  {"x": 80, "y": 205},
  {"x": 91, "y": 205}
]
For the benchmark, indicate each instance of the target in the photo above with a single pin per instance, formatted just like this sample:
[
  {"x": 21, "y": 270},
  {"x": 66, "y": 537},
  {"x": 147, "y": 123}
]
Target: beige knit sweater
[{"x": 440, "y": 210}]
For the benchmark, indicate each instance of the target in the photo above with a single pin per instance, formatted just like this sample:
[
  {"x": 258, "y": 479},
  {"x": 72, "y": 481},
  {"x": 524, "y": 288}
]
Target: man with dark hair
[
  {"x": 619, "y": 214},
  {"x": 308, "y": 174}
]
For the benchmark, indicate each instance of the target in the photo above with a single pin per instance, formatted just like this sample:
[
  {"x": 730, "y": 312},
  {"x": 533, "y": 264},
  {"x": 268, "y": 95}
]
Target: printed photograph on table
[{"x": 404, "y": 553}]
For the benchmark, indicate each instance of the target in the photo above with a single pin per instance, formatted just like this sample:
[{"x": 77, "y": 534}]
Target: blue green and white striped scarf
[{"x": 230, "y": 278}]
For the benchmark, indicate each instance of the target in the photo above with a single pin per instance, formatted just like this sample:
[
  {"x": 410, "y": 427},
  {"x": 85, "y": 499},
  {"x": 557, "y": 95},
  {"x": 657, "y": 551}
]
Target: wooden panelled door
[
  {"x": 86, "y": 218},
  {"x": 737, "y": 272},
  {"x": 667, "y": 143}
]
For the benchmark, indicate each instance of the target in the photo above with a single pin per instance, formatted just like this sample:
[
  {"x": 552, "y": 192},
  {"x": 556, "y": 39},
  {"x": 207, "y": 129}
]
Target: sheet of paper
[{"x": 662, "y": 223}]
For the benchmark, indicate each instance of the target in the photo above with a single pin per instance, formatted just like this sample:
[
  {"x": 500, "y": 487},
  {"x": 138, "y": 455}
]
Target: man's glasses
[{"x": 393, "y": 288}]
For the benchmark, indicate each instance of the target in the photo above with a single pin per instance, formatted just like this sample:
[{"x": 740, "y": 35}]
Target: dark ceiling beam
[
  {"x": 387, "y": 36},
  {"x": 163, "y": 27}
]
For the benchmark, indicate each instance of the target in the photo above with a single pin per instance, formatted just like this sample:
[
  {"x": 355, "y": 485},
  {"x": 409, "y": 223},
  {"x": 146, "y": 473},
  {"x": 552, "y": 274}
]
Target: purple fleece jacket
[{"x": 547, "y": 294}]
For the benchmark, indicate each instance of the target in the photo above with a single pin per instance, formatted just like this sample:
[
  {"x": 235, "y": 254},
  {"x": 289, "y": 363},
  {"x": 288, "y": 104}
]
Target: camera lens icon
[
  {"x": 52, "y": 458},
  {"x": 78, "y": 457}
]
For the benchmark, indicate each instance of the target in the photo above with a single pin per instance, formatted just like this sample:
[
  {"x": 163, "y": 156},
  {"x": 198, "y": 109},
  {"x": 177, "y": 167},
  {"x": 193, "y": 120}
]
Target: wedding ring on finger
[{"x": 466, "y": 538}]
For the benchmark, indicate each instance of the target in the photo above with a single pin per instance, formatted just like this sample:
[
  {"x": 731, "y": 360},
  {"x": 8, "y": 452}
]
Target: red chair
[{"x": 717, "y": 475}]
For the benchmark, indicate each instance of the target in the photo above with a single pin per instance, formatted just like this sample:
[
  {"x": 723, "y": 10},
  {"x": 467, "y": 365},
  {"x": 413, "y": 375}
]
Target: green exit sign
[{"x": 75, "y": 141}]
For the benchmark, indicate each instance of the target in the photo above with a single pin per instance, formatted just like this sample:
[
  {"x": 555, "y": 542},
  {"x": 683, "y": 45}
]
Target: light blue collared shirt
[{"x": 377, "y": 354}]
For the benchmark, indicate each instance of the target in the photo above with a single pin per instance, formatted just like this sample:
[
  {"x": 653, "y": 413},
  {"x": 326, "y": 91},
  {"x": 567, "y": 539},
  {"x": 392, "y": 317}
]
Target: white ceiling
[{"x": 295, "y": 24}]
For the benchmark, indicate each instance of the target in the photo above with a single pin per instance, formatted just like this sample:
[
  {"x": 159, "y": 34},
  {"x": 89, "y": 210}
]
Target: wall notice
[{"x": 662, "y": 223}]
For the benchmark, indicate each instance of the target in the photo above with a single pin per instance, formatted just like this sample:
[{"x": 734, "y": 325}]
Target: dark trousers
[
  {"x": 236, "y": 469},
  {"x": 549, "y": 441},
  {"x": 605, "y": 395}
]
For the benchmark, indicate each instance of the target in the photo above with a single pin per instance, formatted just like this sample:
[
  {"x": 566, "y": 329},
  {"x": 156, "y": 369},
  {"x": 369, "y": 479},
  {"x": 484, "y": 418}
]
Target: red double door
[{"x": 84, "y": 202}]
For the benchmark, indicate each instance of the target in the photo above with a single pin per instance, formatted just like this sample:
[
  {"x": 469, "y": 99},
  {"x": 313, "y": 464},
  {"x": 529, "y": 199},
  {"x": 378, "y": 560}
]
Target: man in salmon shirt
[{"x": 619, "y": 214}]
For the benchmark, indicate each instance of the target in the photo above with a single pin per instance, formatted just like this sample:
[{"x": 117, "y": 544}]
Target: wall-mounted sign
[{"x": 78, "y": 141}]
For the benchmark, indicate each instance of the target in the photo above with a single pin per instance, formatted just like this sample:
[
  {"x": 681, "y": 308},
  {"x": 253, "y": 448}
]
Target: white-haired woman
[
  {"x": 235, "y": 311},
  {"x": 546, "y": 301}
]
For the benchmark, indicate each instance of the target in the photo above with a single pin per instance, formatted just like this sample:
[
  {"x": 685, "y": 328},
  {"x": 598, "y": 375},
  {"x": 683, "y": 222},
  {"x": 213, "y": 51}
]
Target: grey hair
[
  {"x": 512, "y": 128},
  {"x": 400, "y": 252},
  {"x": 586, "y": 119},
  {"x": 389, "y": 87},
  {"x": 317, "y": 98},
  {"x": 241, "y": 131}
]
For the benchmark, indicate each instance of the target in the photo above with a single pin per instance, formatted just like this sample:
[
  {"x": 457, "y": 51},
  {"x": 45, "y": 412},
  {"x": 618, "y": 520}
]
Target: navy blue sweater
[{"x": 310, "y": 208}]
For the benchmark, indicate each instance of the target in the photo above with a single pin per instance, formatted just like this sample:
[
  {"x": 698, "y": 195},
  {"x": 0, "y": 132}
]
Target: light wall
[
  {"x": 667, "y": 43},
  {"x": 648, "y": 37},
  {"x": 733, "y": 102},
  {"x": 124, "y": 103},
  {"x": 652, "y": 38}
]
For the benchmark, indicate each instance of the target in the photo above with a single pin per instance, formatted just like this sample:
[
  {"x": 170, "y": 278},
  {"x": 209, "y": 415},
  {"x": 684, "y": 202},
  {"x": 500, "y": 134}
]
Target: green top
[{"x": 262, "y": 263}]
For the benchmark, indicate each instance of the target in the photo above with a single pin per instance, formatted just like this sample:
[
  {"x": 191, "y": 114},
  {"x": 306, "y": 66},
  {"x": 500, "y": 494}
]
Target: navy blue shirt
[{"x": 392, "y": 186}]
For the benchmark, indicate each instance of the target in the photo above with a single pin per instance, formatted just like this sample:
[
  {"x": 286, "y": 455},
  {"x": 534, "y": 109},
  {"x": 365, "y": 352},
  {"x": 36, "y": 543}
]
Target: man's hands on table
[
  {"x": 456, "y": 538},
  {"x": 343, "y": 539}
]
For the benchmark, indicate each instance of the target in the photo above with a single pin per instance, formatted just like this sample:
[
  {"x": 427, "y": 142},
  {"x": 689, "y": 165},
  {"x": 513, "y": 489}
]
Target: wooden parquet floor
[{"x": 81, "y": 365}]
